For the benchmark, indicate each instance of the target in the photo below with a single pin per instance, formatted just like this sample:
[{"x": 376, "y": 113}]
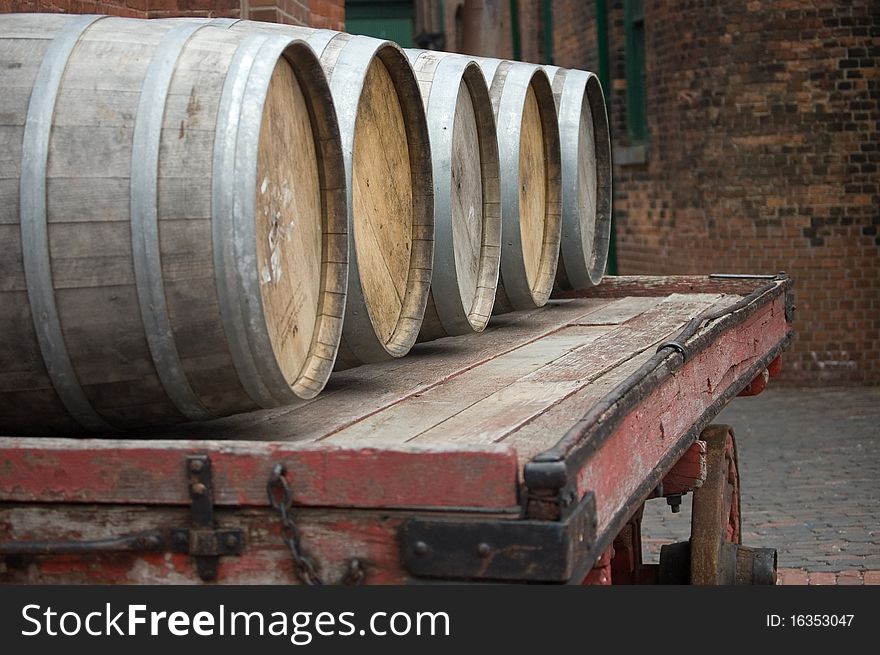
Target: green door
[{"x": 384, "y": 20}]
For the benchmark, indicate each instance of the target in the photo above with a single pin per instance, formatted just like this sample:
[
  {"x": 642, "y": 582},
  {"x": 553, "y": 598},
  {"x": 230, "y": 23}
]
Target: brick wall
[
  {"x": 574, "y": 35},
  {"x": 762, "y": 156},
  {"x": 315, "y": 13}
]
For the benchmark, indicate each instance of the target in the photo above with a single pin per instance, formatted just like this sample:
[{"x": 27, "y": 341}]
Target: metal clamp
[
  {"x": 679, "y": 348},
  {"x": 141, "y": 542},
  {"x": 203, "y": 540},
  {"x": 502, "y": 549}
]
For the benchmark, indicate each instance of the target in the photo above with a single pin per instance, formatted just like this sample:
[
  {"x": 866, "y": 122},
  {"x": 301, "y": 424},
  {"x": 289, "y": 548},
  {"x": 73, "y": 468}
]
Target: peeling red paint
[
  {"x": 127, "y": 471},
  {"x": 635, "y": 448}
]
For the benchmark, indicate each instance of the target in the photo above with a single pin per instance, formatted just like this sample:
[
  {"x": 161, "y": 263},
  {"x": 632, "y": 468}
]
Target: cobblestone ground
[{"x": 810, "y": 475}]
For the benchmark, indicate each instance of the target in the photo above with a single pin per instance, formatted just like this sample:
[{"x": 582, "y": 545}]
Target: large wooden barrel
[
  {"x": 172, "y": 212},
  {"x": 388, "y": 169},
  {"x": 467, "y": 211},
  {"x": 586, "y": 178},
  {"x": 528, "y": 146}
]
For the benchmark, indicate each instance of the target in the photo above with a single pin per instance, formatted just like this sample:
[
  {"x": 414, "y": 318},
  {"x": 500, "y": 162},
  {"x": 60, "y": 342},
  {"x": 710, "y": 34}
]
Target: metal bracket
[
  {"x": 790, "y": 306},
  {"x": 203, "y": 540},
  {"x": 676, "y": 346},
  {"x": 498, "y": 549}
]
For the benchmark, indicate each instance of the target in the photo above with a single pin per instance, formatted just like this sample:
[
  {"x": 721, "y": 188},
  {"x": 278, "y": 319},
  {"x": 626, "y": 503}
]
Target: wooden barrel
[
  {"x": 388, "y": 169},
  {"x": 528, "y": 146},
  {"x": 172, "y": 211},
  {"x": 467, "y": 211},
  {"x": 586, "y": 178}
]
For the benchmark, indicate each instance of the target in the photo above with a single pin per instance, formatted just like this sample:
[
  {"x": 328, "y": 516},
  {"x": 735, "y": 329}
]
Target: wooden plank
[
  {"x": 356, "y": 393},
  {"x": 510, "y": 408},
  {"x": 615, "y": 286},
  {"x": 405, "y": 420},
  {"x": 636, "y": 447},
  {"x": 545, "y": 430},
  {"x": 630, "y": 338},
  {"x": 153, "y": 473},
  {"x": 622, "y": 310},
  {"x": 413, "y": 416}
]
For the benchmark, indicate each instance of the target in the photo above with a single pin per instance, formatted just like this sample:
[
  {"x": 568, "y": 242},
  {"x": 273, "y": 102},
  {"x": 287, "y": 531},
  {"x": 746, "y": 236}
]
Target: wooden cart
[{"x": 525, "y": 454}]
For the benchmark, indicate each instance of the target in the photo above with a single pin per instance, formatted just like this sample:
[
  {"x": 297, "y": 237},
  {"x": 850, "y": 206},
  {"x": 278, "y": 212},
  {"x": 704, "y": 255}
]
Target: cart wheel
[{"x": 715, "y": 520}]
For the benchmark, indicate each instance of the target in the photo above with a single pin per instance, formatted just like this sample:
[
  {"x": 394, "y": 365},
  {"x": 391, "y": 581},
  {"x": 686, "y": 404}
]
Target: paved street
[{"x": 810, "y": 474}]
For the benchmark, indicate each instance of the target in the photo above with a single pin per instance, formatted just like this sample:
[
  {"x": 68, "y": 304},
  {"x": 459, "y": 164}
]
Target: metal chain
[{"x": 281, "y": 499}]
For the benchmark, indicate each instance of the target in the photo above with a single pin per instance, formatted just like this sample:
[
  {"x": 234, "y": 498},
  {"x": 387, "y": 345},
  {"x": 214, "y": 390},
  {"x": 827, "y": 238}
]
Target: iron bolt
[
  {"x": 484, "y": 549},
  {"x": 231, "y": 540},
  {"x": 674, "y": 501},
  {"x": 199, "y": 489},
  {"x": 420, "y": 548},
  {"x": 196, "y": 465},
  {"x": 181, "y": 538}
]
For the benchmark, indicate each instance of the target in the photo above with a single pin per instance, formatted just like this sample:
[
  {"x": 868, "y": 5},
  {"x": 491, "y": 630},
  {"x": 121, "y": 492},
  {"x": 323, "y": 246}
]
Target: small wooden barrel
[
  {"x": 586, "y": 178},
  {"x": 528, "y": 146},
  {"x": 388, "y": 169},
  {"x": 172, "y": 209},
  {"x": 467, "y": 201}
]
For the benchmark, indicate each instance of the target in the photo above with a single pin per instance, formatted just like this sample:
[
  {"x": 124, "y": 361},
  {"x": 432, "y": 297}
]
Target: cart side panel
[
  {"x": 331, "y": 538},
  {"x": 138, "y": 472},
  {"x": 638, "y": 450}
]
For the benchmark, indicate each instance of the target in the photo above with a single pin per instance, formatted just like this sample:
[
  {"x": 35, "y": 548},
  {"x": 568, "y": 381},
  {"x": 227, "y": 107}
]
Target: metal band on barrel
[
  {"x": 222, "y": 221},
  {"x": 510, "y": 107},
  {"x": 145, "y": 222},
  {"x": 236, "y": 144},
  {"x": 35, "y": 231},
  {"x": 441, "y": 125},
  {"x": 346, "y": 85},
  {"x": 244, "y": 211}
]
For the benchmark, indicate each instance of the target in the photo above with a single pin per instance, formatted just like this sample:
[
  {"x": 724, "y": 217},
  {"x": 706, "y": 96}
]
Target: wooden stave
[
  {"x": 440, "y": 75},
  {"x": 331, "y": 170},
  {"x": 351, "y": 56},
  {"x": 583, "y": 259},
  {"x": 508, "y": 84}
]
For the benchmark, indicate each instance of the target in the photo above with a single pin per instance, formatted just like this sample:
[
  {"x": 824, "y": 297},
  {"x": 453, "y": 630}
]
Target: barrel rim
[
  {"x": 144, "y": 219},
  {"x": 509, "y": 87},
  {"x": 316, "y": 369},
  {"x": 582, "y": 265},
  {"x": 34, "y": 225},
  {"x": 441, "y": 104},
  {"x": 346, "y": 83},
  {"x": 234, "y": 197}
]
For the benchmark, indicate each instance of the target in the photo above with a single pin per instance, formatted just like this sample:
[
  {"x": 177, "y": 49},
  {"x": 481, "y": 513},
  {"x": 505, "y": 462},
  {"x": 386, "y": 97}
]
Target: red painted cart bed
[{"x": 516, "y": 454}]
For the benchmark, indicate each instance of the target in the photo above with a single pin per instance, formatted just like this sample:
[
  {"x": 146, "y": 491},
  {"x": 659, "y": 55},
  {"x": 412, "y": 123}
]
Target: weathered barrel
[
  {"x": 467, "y": 211},
  {"x": 172, "y": 212},
  {"x": 586, "y": 177},
  {"x": 388, "y": 168},
  {"x": 528, "y": 147}
]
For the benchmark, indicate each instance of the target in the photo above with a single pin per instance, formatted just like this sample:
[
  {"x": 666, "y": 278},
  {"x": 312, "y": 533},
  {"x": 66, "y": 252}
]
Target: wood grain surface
[
  {"x": 467, "y": 196},
  {"x": 477, "y": 388},
  {"x": 532, "y": 187},
  {"x": 288, "y": 221},
  {"x": 382, "y": 197}
]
